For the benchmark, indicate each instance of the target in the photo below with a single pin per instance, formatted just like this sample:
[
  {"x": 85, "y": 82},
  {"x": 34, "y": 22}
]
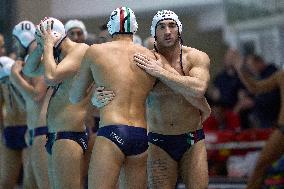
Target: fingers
[
  {"x": 48, "y": 29},
  {"x": 38, "y": 30},
  {"x": 141, "y": 61},
  {"x": 99, "y": 89},
  {"x": 104, "y": 94},
  {"x": 142, "y": 57},
  {"x": 44, "y": 30},
  {"x": 41, "y": 27},
  {"x": 143, "y": 66},
  {"x": 102, "y": 101}
]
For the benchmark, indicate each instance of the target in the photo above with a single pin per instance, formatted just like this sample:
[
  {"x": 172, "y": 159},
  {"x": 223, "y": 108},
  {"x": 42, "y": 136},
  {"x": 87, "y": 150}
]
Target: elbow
[
  {"x": 199, "y": 93},
  {"x": 50, "y": 80},
  {"x": 201, "y": 90}
]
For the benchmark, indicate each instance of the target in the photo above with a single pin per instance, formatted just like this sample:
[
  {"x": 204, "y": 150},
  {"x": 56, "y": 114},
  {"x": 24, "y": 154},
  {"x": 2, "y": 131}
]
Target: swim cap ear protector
[
  {"x": 122, "y": 21},
  {"x": 6, "y": 64},
  {"x": 165, "y": 15},
  {"x": 57, "y": 29},
  {"x": 76, "y": 24},
  {"x": 24, "y": 32}
]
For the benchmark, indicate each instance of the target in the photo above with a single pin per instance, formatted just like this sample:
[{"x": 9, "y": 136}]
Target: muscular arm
[
  {"x": 34, "y": 67},
  {"x": 199, "y": 103},
  {"x": 56, "y": 73},
  {"x": 261, "y": 86},
  {"x": 195, "y": 84},
  {"x": 81, "y": 82}
]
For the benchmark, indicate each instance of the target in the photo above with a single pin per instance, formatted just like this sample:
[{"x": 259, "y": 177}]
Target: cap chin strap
[
  {"x": 57, "y": 44},
  {"x": 57, "y": 50}
]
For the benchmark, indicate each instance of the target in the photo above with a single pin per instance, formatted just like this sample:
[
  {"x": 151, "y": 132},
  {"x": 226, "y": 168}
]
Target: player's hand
[
  {"x": 102, "y": 97},
  {"x": 151, "y": 66},
  {"x": 38, "y": 38},
  {"x": 46, "y": 34},
  {"x": 18, "y": 66},
  {"x": 27, "y": 138}
]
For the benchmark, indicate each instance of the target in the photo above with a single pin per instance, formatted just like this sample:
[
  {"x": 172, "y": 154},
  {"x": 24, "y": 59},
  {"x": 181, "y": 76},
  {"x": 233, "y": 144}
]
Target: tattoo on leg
[{"x": 157, "y": 173}]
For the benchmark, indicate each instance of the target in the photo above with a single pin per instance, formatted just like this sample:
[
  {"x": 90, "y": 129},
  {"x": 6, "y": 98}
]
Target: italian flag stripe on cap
[
  {"x": 121, "y": 20},
  {"x": 128, "y": 19}
]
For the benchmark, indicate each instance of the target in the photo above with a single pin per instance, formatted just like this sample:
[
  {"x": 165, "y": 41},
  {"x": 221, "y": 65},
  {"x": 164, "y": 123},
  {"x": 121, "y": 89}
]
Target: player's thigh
[
  {"x": 11, "y": 162},
  {"x": 29, "y": 181},
  {"x": 194, "y": 166},
  {"x": 88, "y": 153},
  {"x": 40, "y": 162},
  {"x": 134, "y": 171},
  {"x": 67, "y": 162},
  {"x": 106, "y": 162},
  {"x": 161, "y": 169}
]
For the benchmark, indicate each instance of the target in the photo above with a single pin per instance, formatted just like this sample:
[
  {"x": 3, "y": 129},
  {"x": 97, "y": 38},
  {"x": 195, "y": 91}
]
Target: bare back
[
  {"x": 113, "y": 67},
  {"x": 169, "y": 112}
]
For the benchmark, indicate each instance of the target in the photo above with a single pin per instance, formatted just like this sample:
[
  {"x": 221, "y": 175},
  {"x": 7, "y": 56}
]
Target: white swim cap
[
  {"x": 122, "y": 21},
  {"x": 24, "y": 32},
  {"x": 164, "y": 15},
  {"x": 6, "y": 64},
  {"x": 76, "y": 24},
  {"x": 57, "y": 29}
]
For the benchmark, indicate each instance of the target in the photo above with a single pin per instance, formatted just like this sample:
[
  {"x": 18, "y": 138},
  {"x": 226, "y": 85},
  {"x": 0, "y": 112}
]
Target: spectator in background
[
  {"x": 103, "y": 36},
  {"x": 267, "y": 104},
  {"x": 228, "y": 95},
  {"x": 76, "y": 31},
  {"x": 2, "y": 45}
]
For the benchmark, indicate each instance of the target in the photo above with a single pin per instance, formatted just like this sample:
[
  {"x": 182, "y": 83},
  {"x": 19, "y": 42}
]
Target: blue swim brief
[
  {"x": 14, "y": 137},
  {"x": 130, "y": 140},
  {"x": 176, "y": 145},
  {"x": 80, "y": 137}
]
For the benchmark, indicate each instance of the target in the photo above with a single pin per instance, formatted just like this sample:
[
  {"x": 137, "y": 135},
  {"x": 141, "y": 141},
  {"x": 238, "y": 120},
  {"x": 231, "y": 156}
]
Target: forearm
[
  {"x": 185, "y": 85},
  {"x": 22, "y": 85},
  {"x": 200, "y": 104},
  {"x": 49, "y": 63},
  {"x": 33, "y": 66}
]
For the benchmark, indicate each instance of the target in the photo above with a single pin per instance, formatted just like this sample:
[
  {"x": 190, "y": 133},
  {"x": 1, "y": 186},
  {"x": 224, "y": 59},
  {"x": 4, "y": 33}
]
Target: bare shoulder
[
  {"x": 145, "y": 51},
  {"x": 99, "y": 48},
  {"x": 196, "y": 56},
  {"x": 81, "y": 47}
]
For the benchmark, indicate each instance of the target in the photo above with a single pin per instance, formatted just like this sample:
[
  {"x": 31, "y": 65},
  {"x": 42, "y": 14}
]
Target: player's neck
[
  {"x": 123, "y": 37},
  {"x": 170, "y": 53},
  {"x": 66, "y": 46}
]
